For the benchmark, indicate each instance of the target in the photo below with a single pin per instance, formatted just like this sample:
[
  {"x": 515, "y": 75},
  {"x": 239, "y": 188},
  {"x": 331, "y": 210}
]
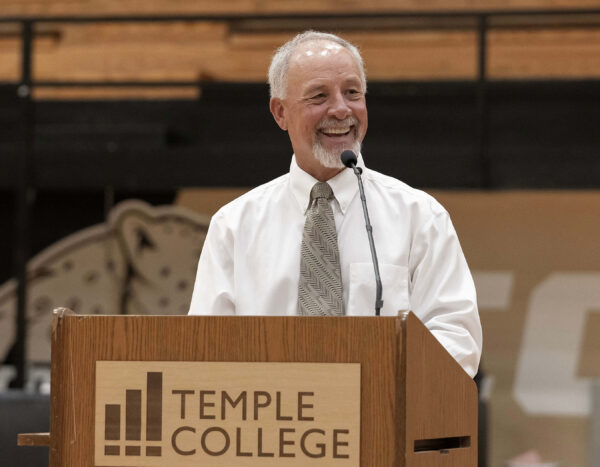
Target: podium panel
[{"x": 376, "y": 391}]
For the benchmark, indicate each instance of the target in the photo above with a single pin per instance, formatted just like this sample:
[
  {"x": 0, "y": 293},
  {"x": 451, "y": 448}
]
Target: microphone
[{"x": 349, "y": 159}]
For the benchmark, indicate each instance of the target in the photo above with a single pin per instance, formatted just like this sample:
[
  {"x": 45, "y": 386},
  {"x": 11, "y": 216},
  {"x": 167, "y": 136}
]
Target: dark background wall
[{"x": 541, "y": 135}]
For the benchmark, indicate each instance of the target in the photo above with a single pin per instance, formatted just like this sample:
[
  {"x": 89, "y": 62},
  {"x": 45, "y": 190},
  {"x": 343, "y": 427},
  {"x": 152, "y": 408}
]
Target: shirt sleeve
[
  {"x": 442, "y": 290},
  {"x": 214, "y": 287}
]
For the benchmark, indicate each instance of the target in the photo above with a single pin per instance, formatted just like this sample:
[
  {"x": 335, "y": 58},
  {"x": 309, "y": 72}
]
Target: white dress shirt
[{"x": 250, "y": 262}]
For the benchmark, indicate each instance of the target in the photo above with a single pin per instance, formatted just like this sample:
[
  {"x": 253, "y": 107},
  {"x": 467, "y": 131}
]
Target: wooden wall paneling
[
  {"x": 10, "y": 52},
  {"x": 114, "y": 92},
  {"x": 237, "y": 52},
  {"x": 130, "y": 51},
  {"x": 401, "y": 55},
  {"x": 209, "y": 52},
  {"x": 418, "y": 5},
  {"x": 167, "y": 52},
  {"x": 544, "y": 53},
  {"x": 109, "y": 7},
  {"x": 10, "y": 59}
]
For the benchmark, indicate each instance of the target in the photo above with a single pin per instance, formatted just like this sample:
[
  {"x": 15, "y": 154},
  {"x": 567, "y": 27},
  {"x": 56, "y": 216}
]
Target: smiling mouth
[{"x": 336, "y": 132}]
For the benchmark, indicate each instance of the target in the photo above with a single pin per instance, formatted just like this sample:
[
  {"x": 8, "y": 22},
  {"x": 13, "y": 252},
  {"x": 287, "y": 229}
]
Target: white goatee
[{"x": 331, "y": 158}]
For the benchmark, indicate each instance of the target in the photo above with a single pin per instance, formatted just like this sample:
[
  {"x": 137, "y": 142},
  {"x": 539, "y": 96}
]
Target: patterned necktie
[{"x": 320, "y": 285}]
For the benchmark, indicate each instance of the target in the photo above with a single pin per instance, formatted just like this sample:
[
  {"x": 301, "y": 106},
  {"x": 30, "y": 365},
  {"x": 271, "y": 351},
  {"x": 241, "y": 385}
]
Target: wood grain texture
[
  {"x": 211, "y": 51},
  {"x": 540, "y": 53},
  {"x": 114, "y": 92},
  {"x": 241, "y": 51},
  {"x": 79, "y": 341},
  {"x": 589, "y": 359},
  {"x": 441, "y": 400},
  {"x": 33, "y": 439},
  {"x": 332, "y": 403},
  {"x": 99, "y": 7}
]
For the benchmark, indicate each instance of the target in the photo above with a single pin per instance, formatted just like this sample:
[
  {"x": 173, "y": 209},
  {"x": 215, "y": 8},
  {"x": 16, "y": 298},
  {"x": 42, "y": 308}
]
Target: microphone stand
[{"x": 378, "y": 293}]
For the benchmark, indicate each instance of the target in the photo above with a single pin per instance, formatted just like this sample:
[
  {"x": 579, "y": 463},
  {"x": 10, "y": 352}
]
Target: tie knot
[{"x": 321, "y": 190}]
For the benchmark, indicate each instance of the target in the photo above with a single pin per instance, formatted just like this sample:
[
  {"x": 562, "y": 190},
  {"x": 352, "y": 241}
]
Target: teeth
[{"x": 335, "y": 131}]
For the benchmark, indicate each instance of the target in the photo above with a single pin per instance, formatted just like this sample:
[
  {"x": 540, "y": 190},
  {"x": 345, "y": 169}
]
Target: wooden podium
[{"x": 414, "y": 405}]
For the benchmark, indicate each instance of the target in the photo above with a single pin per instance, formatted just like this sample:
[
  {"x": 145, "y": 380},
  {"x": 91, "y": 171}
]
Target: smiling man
[
  {"x": 298, "y": 245},
  {"x": 321, "y": 104}
]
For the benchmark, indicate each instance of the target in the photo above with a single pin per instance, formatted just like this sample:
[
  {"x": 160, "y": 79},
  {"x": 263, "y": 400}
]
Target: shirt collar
[{"x": 344, "y": 185}]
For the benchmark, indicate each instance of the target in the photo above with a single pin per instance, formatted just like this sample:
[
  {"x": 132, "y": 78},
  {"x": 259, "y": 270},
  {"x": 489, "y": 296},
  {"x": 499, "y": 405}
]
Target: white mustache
[{"x": 333, "y": 123}]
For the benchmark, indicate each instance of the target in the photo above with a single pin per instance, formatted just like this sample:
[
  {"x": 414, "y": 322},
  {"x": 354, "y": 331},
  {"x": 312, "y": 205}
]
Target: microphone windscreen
[{"x": 348, "y": 158}]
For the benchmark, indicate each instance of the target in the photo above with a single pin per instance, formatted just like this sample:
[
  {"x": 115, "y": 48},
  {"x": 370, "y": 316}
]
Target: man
[{"x": 258, "y": 257}]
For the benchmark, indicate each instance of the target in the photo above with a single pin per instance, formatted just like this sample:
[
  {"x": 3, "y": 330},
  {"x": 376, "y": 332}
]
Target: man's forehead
[
  {"x": 311, "y": 56},
  {"x": 322, "y": 47}
]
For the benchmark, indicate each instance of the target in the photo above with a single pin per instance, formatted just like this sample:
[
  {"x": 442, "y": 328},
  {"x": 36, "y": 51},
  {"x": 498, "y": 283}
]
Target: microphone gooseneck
[{"x": 350, "y": 160}]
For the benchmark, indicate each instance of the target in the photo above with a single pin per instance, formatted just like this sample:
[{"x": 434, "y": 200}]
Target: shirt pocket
[{"x": 361, "y": 296}]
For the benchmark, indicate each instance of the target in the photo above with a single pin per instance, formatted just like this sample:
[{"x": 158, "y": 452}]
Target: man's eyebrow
[
  {"x": 314, "y": 88},
  {"x": 354, "y": 81},
  {"x": 351, "y": 81}
]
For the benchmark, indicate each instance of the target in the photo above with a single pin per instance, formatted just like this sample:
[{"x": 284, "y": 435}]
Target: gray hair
[{"x": 279, "y": 63}]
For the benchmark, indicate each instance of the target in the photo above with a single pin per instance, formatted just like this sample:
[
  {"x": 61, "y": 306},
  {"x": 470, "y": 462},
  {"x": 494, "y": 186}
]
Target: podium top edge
[{"x": 71, "y": 314}]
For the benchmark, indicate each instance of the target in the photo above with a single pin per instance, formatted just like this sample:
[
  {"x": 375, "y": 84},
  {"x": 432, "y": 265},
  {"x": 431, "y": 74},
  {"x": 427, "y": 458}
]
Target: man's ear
[{"x": 278, "y": 111}]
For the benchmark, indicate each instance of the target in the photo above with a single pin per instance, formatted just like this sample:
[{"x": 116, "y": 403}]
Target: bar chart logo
[{"x": 131, "y": 415}]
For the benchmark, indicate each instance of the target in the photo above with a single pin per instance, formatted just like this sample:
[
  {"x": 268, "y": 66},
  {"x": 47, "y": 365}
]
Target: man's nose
[{"x": 339, "y": 107}]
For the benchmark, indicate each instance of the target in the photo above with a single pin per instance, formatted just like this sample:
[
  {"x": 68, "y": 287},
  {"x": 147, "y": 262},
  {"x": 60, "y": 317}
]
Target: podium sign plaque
[{"x": 227, "y": 413}]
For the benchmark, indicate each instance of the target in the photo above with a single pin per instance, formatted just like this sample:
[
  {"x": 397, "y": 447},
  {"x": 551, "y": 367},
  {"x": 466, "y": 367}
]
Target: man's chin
[{"x": 330, "y": 157}]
